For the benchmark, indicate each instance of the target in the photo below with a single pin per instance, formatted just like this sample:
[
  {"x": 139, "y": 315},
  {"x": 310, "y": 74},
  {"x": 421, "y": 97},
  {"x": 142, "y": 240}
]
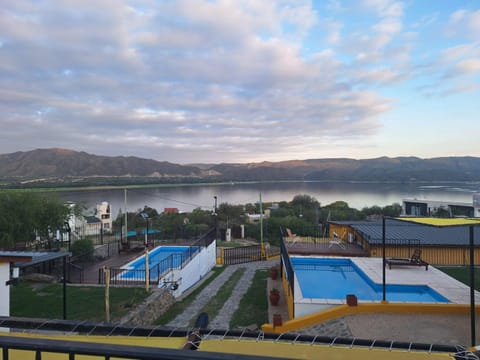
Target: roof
[
  {"x": 400, "y": 230},
  {"x": 170, "y": 210},
  {"x": 29, "y": 258},
  {"x": 443, "y": 221},
  {"x": 92, "y": 219},
  {"x": 438, "y": 202}
]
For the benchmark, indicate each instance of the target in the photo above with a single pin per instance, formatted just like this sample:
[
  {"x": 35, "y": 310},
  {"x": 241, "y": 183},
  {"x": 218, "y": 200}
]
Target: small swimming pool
[
  {"x": 329, "y": 278},
  {"x": 160, "y": 259}
]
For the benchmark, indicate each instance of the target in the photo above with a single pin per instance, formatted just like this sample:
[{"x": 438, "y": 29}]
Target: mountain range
[{"x": 68, "y": 167}]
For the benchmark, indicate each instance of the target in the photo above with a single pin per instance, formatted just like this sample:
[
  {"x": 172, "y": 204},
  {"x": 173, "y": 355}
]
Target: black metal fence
[
  {"x": 133, "y": 276},
  {"x": 287, "y": 264},
  {"x": 125, "y": 276},
  {"x": 240, "y": 255}
]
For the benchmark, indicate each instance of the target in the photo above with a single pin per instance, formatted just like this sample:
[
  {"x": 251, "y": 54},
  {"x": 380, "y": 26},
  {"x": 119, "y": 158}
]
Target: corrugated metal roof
[{"x": 397, "y": 230}]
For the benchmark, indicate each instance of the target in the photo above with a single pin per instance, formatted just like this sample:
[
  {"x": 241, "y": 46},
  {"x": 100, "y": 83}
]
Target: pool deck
[
  {"x": 452, "y": 289},
  {"x": 417, "y": 327}
]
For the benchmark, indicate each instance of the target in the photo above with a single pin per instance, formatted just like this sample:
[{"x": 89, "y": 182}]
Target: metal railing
[
  {"x": 123, "y": 276},
  {"x": 45, "y": 347},
  {"x": 285, "y": 260},
  {"x": 38, "y": 346},
  {"x": 243, "y": 254}
]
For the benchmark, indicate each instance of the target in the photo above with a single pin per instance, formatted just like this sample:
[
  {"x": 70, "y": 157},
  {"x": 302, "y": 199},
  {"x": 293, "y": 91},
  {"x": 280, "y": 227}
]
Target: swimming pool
[
  {"x": 332, "y": 278},
  {"x": 160, "y": 259}
]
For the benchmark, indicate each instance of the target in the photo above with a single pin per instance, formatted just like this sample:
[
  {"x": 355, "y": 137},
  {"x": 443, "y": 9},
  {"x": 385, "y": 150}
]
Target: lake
[{"x": 187, "y": 198}]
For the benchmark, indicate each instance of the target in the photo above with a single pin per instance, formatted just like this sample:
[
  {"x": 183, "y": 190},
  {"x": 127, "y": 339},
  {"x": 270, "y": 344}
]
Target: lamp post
[
  {"x": 215, "y": 219},
  {"x": 69, "y": 232},
  {"x": 147, "y": 269},
  {"x": 145, "y": 216}
]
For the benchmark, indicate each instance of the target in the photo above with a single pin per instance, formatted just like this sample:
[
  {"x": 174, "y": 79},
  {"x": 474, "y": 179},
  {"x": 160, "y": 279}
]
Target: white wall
[
  {"x": 193, "y": 271},
  {"x": 4, "y": 289}
]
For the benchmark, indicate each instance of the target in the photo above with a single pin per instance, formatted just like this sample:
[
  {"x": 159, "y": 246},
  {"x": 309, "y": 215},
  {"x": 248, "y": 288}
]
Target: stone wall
[{"x": 153, "y": 307}]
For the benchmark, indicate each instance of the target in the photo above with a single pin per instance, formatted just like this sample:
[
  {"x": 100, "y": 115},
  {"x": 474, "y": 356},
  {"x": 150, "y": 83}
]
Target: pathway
[{"x": 222, "y": 320}]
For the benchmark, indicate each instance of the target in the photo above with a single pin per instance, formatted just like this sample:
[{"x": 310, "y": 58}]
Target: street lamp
[
  {"x": 69, "y": 232},
  {"x": 145, "y": 216},
  {"x": 215, "y": 219}
]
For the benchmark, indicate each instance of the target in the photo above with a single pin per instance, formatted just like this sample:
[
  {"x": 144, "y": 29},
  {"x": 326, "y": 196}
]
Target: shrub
[{"x": 83, "y": 248}]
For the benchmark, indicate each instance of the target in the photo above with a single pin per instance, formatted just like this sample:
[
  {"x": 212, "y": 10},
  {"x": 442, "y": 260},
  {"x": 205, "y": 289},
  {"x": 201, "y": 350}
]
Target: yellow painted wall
[
  {"x": 432, "y": 255},
  {"x": 437, "y": 255},
  {"x": 368, "y": 308}
]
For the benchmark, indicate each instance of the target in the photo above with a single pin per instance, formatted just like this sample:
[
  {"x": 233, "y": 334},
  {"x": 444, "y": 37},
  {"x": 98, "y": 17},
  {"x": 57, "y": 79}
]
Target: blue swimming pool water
[
  {"x": 335, "y": 278},
  {"x": 160, "y": 259}
]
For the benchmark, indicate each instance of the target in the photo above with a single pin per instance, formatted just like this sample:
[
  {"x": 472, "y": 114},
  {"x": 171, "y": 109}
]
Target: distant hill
[{"x": 62, "y": 166}]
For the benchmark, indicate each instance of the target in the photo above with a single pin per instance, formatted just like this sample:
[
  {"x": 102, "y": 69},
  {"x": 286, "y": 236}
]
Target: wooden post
[
  {"x": 106, "y": 272},
  {"x": 147, "y": 271}
]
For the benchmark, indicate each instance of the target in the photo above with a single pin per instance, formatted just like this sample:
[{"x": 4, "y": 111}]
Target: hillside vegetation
[{"x": 62, "y": 167}]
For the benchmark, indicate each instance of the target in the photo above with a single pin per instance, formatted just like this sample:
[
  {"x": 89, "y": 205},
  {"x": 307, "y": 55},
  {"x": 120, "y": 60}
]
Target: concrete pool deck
[
  {"x": 441, "y": 328},
  {"x": 452, "y": 289}
]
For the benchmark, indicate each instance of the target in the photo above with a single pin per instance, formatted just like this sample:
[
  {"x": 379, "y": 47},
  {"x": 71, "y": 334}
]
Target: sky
[{"x": 204, "y": 81}]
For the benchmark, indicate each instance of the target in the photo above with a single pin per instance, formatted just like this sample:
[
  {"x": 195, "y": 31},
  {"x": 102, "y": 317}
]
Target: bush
[{"x": 83, "y": 249}]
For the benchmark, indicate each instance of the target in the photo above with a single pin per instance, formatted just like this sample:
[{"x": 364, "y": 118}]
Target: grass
[
  {"x": 253, "y": 308},
  {"x": 213, "y": 307},
  {"x": 462, "y": 273},
  {"x": 40, "y": 300},
  {"x": 181, "y": 305}
]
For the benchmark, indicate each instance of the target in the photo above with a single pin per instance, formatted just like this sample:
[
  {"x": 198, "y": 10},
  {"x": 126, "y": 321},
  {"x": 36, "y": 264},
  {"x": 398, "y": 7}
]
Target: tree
[
  {"x": 393, "y": 210},
  {"x": 228, "y": 214},
  {"x": 25, "y": 214},
  {"x": 340, "y": 210},
  {"x": 306, "y": 207}
]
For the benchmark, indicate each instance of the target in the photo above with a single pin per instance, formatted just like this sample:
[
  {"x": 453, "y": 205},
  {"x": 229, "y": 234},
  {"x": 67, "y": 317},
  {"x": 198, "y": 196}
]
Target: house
[
  {"x": 440, "y": 245},
  {"x": 104, "y": 213},
  {"x": 415, "y": 207},
  {"x": 91, "y": 226},
  {"x": 170, "y": 211}
]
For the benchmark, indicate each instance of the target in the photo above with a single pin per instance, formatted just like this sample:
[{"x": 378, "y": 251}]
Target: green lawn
[
  {"x": 462, "y": 273},
  {"x": 44, "y": 300},
  {"x": 253, "y": 308},
  {"x": 41, "y": 300}
]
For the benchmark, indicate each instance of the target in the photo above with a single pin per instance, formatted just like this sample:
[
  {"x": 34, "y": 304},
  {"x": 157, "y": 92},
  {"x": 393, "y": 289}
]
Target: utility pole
[
  {"x": 261, "y": 221},
  {"x": 215, "y": 214},
  {"x": 126, "y": 213}
]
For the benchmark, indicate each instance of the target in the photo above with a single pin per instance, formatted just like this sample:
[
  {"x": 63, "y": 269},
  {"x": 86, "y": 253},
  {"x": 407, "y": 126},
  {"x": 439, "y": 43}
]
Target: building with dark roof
[{"x": 440, "y": 245}]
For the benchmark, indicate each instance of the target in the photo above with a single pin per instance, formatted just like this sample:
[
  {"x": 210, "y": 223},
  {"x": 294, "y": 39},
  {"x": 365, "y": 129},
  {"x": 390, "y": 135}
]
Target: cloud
[
  {"x": 385, "y": 8},
  {"x": 198, "y": 80},
  {"x": 175, "y": 80},
  {"x": 464, "y": 22}
]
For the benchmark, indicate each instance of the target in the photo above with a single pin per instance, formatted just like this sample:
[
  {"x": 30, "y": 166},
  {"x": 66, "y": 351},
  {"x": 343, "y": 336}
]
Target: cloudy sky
[{"x": 237, "y": 81}]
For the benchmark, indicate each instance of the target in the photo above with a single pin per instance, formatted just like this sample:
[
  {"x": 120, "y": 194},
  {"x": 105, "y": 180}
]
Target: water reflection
[{"x": 357, "y": 195}]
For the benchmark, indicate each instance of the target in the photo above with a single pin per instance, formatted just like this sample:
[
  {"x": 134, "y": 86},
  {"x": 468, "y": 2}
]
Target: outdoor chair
[
  {"x": 415, "y": 260},
  {"x": 292, "y": 238},
  {"x": 336, "y": 241}
]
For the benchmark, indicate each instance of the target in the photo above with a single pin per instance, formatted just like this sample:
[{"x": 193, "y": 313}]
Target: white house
[{"x": 103, "y": 212}]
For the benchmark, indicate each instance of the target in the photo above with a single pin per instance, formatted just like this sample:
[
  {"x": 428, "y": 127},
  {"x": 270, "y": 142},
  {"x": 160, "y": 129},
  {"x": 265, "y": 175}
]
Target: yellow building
[{"x": 442, "y": 241}]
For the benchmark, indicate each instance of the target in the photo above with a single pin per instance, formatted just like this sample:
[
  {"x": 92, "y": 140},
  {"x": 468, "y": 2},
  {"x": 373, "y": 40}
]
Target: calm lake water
[{"x": 187, "y": 198}]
